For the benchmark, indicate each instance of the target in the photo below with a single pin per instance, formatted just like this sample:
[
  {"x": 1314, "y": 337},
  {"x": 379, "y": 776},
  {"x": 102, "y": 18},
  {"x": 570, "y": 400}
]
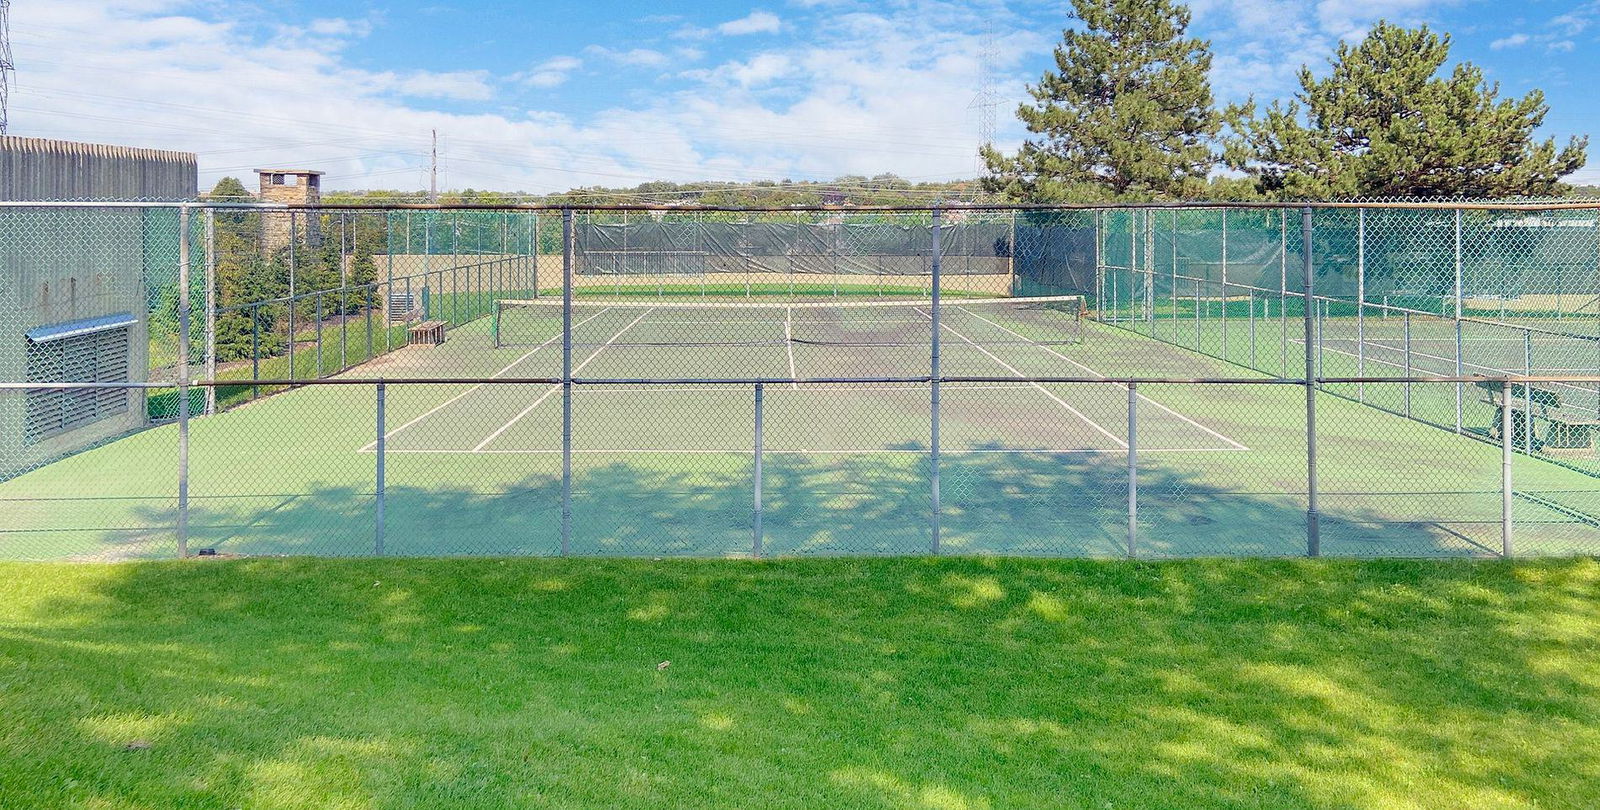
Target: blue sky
[{"x": 545, "y": 96}]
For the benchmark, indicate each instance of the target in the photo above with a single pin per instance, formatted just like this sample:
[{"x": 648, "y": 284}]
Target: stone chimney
[{"x": 293, "y": 187}]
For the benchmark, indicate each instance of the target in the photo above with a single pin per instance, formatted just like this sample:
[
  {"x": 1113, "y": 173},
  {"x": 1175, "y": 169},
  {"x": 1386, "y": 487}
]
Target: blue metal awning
[{"x": 86, "y": 326}]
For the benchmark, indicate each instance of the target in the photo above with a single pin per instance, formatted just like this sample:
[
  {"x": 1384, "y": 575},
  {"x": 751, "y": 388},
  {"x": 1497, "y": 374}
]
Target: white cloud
[
  {"x": 1514, "y": 41},
  {"x": 550, "y": 73},
  {"x": 1350, "y": 19},
  {"x": 760, "y": 69},
  {"x": 461, "y": 85},
  {"x": 637, "y": 57},
  {"x": 1561, "y": 46},
  {"x": 339, "y": 27},
  {"x": 864, "y": 89},
  {"x": 756, "y": 22},
  {"x": 688, "y": 31}
]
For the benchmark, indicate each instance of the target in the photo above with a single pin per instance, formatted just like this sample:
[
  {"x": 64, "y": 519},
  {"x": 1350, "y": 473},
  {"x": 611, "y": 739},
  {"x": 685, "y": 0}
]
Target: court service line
[
  {"x": 555, "y": 388},
  {"x": 1041, "y": 389},
  {"x": 443, "y": 451},
  {"x": 451, "y": 401},
  {"x": 1236, "y": 445}
]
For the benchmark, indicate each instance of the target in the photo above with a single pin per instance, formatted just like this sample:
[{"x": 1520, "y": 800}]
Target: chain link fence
[{"x": 1144, "y": 382}]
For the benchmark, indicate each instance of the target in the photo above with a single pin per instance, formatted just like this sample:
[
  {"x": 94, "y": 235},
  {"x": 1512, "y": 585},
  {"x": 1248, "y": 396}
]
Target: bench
[
  {"x": 429, "y": 333},
  {"x": 1571, "y": 432}
]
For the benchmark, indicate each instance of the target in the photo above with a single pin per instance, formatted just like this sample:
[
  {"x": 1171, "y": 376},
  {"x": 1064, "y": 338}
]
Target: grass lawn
[{"x": 939, "y": 683}]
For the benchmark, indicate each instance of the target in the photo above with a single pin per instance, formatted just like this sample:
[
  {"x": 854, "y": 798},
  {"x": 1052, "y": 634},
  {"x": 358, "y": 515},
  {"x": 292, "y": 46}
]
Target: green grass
[{"x": 933, "y": 683}]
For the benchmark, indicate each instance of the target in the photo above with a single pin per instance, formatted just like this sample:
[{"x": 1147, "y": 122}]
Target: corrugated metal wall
[
  {"x": 43, "y": 169},
  {"x": 63, "y": 264}
]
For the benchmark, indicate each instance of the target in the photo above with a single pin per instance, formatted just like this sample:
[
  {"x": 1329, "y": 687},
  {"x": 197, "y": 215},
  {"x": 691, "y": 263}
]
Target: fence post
[
  {"x": 1150, "y": 272},
  {"x": 255, "y": 350},
  {"x": 566, "y": 381},
  {"x": 1458, "y": 291},
  {"x": 1252, "y": 313},
  {"x": 1506, "y": 442},
  {"x": 1133, "y": 468},
  {"x": 378, "y": 525},
  {"x": 1308, "y": 286},
  {"x": 293, "y": 237},
  {"x": 1283, "y": 292},
  {"x": 318, "y": 372},
  {"x": 211, "y": 309},
  {"x": 344, "y": 293},
  {"x": 1172, "y": 292},
  {"x": 183, "y": 381},
  {"x": 933, "y": 432},
  {"x": 1011, "y": 257},
  {"x": 1527, "y": 406},
  {"x": 1198, "y": 345},
  {"x": 1405, "y": 326},
  {"x": 1224, "y": 324},
  {"x": 1361, "y": 302},
  {"x": 755, "y": 540},
  {"x": 388, "y": 287},
  {"x": 1099, "y": 269}
]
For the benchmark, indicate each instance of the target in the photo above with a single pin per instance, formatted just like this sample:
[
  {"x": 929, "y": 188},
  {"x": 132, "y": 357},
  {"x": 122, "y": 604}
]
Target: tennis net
[{"x": 1054, "y": 320}]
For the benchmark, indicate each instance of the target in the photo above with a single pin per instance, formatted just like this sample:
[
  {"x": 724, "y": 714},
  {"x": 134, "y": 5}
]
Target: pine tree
[
  {"x": 1126, "y": 112},
  {"x": 1386, "y": 123}
]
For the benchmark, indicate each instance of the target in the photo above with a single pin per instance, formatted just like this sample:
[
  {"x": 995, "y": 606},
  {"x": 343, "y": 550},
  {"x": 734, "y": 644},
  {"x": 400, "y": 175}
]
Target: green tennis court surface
[{"x": 669, "y": 470}]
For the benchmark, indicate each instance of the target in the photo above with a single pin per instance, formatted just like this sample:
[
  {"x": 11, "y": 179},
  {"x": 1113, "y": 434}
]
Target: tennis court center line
[
  {"x": 555, "y": 388},
  {"x": 1142, "y": 397},
  {"x": 1041, "y": 389},
  {"x": 513, "y": 364}
]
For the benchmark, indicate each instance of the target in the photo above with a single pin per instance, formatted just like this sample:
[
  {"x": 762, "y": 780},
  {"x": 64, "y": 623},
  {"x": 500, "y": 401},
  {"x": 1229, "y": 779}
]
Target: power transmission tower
[
  {"x": 6, "y": 67},
  {"x": 987, "y": 99}
]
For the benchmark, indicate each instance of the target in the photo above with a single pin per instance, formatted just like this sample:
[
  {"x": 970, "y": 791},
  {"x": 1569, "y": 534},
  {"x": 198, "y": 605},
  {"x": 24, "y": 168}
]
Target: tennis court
[
  {"x": 829, "y": 343},
  {"x": 751, "y": 406},
  {"x": 671, "y": 469}
]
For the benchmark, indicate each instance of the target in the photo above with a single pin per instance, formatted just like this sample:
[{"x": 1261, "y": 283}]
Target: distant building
[
  {"x": 44, "y": 169},
  {"x": 79, "y": 284},
  {"x": 289, "y": 187}
]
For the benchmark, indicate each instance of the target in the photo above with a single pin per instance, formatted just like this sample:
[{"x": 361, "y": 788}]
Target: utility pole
[
  {"x": 433, "y": 170},
  {"x": 6, "y": 66}
]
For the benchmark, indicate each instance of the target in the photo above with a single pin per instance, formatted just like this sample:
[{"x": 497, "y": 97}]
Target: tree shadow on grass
[{"x": 849, "y": 682}]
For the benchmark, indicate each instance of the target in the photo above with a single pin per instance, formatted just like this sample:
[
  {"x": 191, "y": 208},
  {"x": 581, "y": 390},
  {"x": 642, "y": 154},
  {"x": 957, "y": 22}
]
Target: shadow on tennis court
[{"x": 1004, "y": 503}]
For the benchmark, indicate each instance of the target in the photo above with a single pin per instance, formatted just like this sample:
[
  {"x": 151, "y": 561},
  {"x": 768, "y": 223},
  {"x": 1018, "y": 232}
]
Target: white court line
[
  {"x": 1063, "y": 403},
  {"x": 832, "y": 452},
  {"x": 555, "y": 388},
  {"x": 1401, "y": 350},
  {"x": 788, "y": 342},
  {"x": 1451, "y": 360},
  {"x": 633, "y": 389},
  {"x": 1236, "y": 445},
  {"x": 513, "y": 364}
]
